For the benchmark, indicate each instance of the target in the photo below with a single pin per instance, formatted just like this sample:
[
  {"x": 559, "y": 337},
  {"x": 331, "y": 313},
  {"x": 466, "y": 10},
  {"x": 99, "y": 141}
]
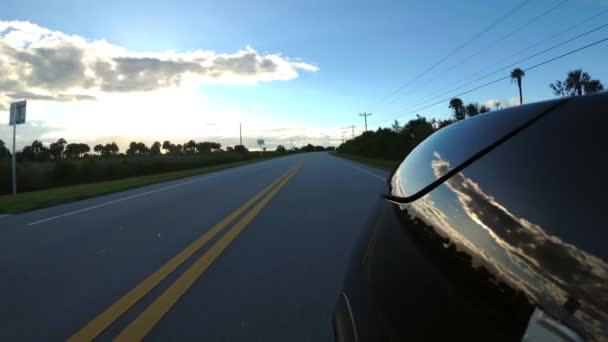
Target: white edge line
[
  {"x": 4, "y": 216},
  {"x": 365, "y": 171},
  {"x": 128, "y": 198}
]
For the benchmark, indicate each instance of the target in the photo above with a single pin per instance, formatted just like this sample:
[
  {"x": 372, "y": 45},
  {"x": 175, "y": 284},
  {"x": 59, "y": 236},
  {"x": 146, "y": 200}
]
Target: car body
[{"x": 494, "y": 228}]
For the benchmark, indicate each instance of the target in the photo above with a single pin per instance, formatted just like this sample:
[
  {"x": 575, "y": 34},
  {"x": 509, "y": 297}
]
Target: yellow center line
[
  {"x": 153, "y": 313},
  {"x": 107, "y": 317}
]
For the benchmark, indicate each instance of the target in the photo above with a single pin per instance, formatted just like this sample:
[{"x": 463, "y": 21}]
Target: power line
[
  {"x": 427, "y": 98},
  {"x": 513, "y": 32},
  {"x": 499, "y": 79},
  {"x": 513, "y": 64},
  {"x": 454, "y": 51},
  {"x": 494, "y": 43}
]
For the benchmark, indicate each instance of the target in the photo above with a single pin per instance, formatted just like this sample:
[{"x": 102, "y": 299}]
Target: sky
[{"x": 291, "y": 72}]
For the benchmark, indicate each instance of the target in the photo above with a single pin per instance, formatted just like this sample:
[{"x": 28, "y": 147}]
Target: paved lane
[{"x": 276, "y": 279}]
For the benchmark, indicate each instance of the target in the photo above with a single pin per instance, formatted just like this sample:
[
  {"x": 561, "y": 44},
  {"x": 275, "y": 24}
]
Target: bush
[{"x": 42, "y": 175}]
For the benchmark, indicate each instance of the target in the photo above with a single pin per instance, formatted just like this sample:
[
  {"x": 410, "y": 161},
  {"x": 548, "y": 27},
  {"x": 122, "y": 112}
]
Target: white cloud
[
  {"x": 41, "y": 64},
  {"x": 504, "y": 103}
]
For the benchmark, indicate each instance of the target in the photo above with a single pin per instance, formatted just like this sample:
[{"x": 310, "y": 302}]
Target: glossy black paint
[{"x": 522, "y": 225}]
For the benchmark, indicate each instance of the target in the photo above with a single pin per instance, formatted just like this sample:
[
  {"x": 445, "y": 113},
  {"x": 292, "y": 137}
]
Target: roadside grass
[
  {"x": 27, "y": 201},
  {"x": 388, "y": 165}
]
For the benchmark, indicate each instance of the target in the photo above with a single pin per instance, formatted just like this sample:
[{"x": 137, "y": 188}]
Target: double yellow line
[{"x": 155, "y": 311}]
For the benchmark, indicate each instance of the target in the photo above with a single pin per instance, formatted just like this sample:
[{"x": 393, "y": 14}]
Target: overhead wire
[
  {"x": 495, "y": 42},
  {"x": 584, "y": 21},
  {"x": 497, "y": 80},
  {"x": 454, "y": 51},
  {"x": 511, "y": 65}
]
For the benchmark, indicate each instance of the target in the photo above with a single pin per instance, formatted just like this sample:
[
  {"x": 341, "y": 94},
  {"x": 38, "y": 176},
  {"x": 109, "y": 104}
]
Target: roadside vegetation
[
  {"x": 44, "y": 198},
  {"x": 61, "y": 164},
  {"x": 394, "y": 143}
]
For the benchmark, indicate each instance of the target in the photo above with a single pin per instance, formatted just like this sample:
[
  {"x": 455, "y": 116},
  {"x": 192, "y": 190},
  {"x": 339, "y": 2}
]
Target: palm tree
[
  {"x": 472, "y": 109},
  {"x": 593, "y": 86},
  {"x": 98, "y": 148},
  {"x": 516, "y": 76},
  {"x": 576, "y": 80},
  {"x": 458, "y": 106}
]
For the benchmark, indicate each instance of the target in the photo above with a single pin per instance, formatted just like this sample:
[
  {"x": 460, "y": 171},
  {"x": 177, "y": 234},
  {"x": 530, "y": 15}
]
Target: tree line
[
  {"x": 397, "y": 141},
  {"x": 61, "y": 149}
]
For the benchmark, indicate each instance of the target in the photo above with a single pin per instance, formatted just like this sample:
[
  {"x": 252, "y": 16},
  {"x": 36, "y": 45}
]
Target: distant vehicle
[{"x": 494, "y": 228}]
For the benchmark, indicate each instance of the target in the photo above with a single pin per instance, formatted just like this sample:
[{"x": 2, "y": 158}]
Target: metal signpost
[{"x": 17, "y": 117}]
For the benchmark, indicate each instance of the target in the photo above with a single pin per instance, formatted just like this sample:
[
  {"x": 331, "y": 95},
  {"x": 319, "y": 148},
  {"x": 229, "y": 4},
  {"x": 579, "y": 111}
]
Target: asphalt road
[{"x": 254, "y": 253}]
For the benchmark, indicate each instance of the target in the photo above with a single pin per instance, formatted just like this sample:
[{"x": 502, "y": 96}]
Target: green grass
[
  {"x": 388, "y": 165},
  {"x": 27, "y": 201}
]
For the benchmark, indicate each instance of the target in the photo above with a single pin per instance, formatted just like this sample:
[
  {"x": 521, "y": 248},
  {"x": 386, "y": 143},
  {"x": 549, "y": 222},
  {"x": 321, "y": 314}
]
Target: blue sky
[{"x": 364, "y": 50}]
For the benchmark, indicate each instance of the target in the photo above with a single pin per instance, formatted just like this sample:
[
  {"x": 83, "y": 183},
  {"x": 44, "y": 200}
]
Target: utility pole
[
  {"x": 353, "y": 129},
  {"x": 240, "y": 134},
  {"x": 365, "y": 115}
]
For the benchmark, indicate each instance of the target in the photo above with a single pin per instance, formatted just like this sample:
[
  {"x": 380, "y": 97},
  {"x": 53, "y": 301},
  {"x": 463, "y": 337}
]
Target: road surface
[{"x": 254, "y": 253}]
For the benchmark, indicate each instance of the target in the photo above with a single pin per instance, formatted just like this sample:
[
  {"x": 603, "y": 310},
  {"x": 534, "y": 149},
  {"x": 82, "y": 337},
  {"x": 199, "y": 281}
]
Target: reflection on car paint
[{"x": 568, "y": 282}]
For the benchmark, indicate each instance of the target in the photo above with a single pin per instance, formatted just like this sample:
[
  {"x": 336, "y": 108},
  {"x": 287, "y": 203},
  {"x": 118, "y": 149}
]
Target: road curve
[{"x": 254, "y": 253}]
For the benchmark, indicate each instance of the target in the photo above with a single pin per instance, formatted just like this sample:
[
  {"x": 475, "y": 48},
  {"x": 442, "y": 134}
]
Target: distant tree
[
  {"x": 207, "y": 146},
  {"x": 155, "y": 149},
  {"x": 443, "y": 123},
  {"x": 559, "y": 89},
  {"x": 458, "y": 106},
  {"x": 75, "y": 150},
  {"x": 35, "y": 152},
  {"x": 484, "y": 109},
  {"x": 516, "y": 75},
  {"x": 308, "y": 148},
  {"x": 330, "y": 148},
  {"x": 396, "y": 126},
  {"x": 190, "y": 146},
  {"x": 4, "y": 152},
  {"x": 167, "y": 146},
  {"x": 497, "y": 104},
  {"x": 281, "y": 149},
  {"x": 229, "y": 149},
  {"x": 98, "y": 149},
  {"x": 56, "y": 148},
  {"x": 26, "y": 154},
  {"x": 240, "y": 149},
  {"x": 576, "y": 81},
  {"x": 110, "y": 149},
  {"x": 472, "y": 109},
  {"x": 593, "y": 86},
  {"x": 84, "y": 149},
  {"x": 132, "y": 150},
  {"x": 142, "y": 149}
]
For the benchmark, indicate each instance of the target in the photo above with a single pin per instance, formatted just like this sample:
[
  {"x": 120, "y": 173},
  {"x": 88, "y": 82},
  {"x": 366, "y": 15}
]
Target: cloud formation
[
  {"x": 567, "y": 271},
  {"x": 502, "y": 103},
  {"x": 38, "y": 63}
]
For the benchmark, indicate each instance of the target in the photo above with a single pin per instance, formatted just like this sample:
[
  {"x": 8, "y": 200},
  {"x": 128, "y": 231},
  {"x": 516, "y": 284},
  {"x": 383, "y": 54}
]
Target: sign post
[{"x": 17, "y": 117}]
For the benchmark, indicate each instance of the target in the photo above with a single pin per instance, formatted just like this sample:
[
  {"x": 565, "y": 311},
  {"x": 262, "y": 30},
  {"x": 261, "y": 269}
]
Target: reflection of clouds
[
  {"x": 567, "y": 271},
  {"x": 426, "y": 210}
]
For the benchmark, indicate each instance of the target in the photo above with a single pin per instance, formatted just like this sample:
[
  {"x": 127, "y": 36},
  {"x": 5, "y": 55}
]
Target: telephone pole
[
  {"x": 365, "y": 115},
  {"x": 353, "y": 130},
  {"x": 240, "y": 134}
]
